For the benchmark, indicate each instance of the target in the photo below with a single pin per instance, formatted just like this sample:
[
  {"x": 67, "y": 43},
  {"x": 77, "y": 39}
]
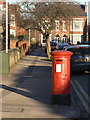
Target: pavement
[{"x": 27, "y": 90}]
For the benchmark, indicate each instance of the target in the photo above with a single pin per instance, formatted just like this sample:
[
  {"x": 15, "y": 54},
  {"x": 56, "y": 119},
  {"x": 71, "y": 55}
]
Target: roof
[
  {"x": 78, "y": 10},
  {"x": 75, "y": 10}
]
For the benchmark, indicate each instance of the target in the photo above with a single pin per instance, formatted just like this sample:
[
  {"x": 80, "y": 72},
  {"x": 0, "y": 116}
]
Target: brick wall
[
  {"x": 13, "y": 44},
  {"x": 24, "y": 45}
]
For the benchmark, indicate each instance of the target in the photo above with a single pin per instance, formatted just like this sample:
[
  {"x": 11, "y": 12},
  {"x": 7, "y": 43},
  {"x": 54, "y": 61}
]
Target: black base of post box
[{"x": 61, "y": 100}]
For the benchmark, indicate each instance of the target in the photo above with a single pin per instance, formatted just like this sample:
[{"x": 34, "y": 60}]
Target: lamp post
[
  {"x": 6, "y": 26},
  {"x": 87, "y": 19}
]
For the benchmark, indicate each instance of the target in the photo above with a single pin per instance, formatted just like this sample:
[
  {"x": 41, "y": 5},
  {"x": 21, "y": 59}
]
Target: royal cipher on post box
[{"x": 61, "y": 77}]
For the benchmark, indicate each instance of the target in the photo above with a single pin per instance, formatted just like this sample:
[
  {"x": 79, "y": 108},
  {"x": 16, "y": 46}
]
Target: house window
[
  {"x": 64, "y": 26},
  {"x": 1, "y": 7},
  {"x": 12, "y": 32},
  {"x": 12, "y": 20},
  {"x": 12, "y": 17},
  {"x": 71, "y": 25},
  {"x": 57, "y": 25},
  {"x": 75, "y": 38},
  {"x": 76, "y": 26},
  {"x": 71, "y": 39}
]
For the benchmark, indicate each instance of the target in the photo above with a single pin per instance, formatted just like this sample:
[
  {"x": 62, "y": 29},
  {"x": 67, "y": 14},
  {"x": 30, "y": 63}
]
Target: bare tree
[
  {"x": 41, "y": 16},
  {"x": 89, "y": 32}
]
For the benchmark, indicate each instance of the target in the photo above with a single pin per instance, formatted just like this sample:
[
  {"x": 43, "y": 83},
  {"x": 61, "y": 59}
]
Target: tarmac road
[{"x": 80, "y": 83}]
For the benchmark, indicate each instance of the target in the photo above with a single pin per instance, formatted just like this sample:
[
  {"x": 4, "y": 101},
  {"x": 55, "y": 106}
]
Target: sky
[
  {"x": 80, "y": 1},
  {"x": 89, "y": 11}
]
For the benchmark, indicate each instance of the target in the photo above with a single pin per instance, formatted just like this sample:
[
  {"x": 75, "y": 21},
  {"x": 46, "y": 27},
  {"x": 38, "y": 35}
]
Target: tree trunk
[
  {"x": 4, "y": 38},
  {"x": 48, "y": 46},
  {"x": 4, "y": 34}
]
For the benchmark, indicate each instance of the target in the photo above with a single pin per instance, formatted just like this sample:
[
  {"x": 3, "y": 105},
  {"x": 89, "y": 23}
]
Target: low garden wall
[
  {"x": 15, "y": 55},
  {"x": 7, "y": 60}
]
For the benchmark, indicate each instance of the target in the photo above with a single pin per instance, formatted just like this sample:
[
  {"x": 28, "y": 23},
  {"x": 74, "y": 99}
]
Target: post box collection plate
[{"x": 58, "y": 67}]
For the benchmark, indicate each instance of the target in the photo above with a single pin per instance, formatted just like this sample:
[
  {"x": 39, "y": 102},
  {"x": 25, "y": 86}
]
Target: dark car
[
  {"x": 80, "y": 60},
  {"x": 86, "y": 42},
  {"x": 53, "y": 46},
  {"x": 61, "y": 46}
]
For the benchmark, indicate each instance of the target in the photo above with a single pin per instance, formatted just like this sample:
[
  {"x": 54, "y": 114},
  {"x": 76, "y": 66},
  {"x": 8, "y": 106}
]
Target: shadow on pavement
[{"x": 37, "y": 82}]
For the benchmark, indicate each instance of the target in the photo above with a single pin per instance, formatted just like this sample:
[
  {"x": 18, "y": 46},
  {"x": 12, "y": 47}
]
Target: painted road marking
[{"x": 80, "y": 96}]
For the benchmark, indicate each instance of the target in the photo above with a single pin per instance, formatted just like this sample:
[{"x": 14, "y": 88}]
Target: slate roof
[{"x": 79, "y": 10}]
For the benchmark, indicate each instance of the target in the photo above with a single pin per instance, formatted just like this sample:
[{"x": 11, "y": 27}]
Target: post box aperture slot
[{"x": 59, "y": 60}]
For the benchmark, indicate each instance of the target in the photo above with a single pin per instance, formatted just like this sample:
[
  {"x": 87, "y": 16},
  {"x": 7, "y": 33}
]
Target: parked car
[
  {"x": 86, "y": 42},
  {"x": 61, "y": 46},
  {"x": 80, "y": 60},
  {"x": 53, "y": 46},
  {"x": 58, "y": 41}
]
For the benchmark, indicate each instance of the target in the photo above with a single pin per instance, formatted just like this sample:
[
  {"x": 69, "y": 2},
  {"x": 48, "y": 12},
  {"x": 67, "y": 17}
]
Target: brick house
[
  {"x": 71, "y": 30},
  {"x": 14, "y": 29}
]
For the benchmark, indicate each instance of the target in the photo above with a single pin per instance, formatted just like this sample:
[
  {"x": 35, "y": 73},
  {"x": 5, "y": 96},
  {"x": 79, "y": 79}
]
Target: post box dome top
[{"x": 61, "y": 52}]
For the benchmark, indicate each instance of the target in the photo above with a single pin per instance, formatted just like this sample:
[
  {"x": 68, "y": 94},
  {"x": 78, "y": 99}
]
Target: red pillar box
[{"x": 61, "y": 77}]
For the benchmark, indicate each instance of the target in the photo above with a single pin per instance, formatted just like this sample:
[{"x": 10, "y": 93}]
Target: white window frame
[
  {"x": 12, "y": 21},
  {"x": 72, "y": 26},
  {"x": 64, "y": 26},
  {"x": 78, "y": 19},
  {"x": 57, "y": 25},
  {"x": 1, "y": 7},
  {"x": 75, "y": 41},
  {"x": 12, "y": 32}
]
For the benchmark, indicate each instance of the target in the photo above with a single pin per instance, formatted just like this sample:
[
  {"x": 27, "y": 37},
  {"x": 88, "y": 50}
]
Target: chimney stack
[{"x": 85, "y": 7}]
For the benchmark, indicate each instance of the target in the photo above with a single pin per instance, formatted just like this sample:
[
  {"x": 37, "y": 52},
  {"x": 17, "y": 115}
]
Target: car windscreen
[
  {"x": 53, "y": 43},
  {"x": 57, "y": 41},
  {"x": 61, "y": 46},
  {"x": 80, "y": 50}
]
